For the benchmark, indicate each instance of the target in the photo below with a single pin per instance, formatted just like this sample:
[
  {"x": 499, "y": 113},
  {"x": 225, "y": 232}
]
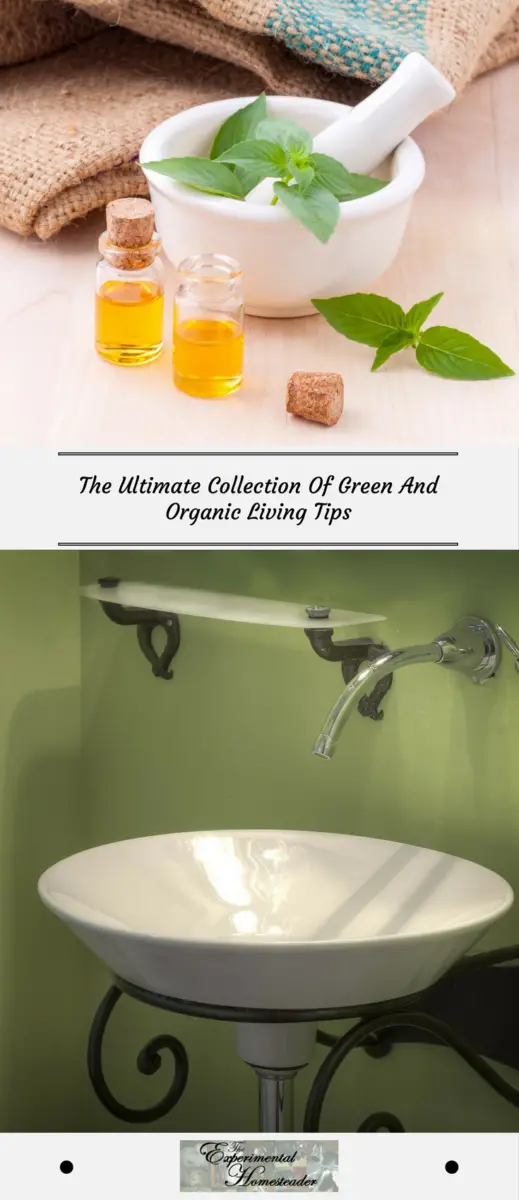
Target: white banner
[
  {"x": 465, "y": 500},
  {"x": 439, "y": 1166}
]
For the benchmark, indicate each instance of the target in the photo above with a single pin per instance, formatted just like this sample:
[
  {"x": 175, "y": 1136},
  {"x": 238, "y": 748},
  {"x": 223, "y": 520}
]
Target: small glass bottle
[
  {"x": 129, "y": 286},
  {"x": 208, "y": 327}
]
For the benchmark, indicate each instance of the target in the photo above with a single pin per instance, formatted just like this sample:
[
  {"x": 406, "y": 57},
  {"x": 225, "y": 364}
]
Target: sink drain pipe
[{"x": 276, "y": 1053}]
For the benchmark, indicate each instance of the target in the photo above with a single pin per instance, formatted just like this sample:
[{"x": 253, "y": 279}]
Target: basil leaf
[
  {"x": 202, "y": 174},
  {"x": 361, "y": 185},
  {"x": 287, "y": 134},
  {"x": 416, "y": 316},
  {"x": 399, "y": 339},
  {"x": 457, "y": 355},
  {"x": 239, "y": 126},
  {"x": 315, "y": 208},
  {"x": 249, "y": 178},
  {"x": 264, "y": 158},
  {"x": 303, "y": 175},
  {"x": 345, "y": 186},
  {"x": 362, "y": 317}
]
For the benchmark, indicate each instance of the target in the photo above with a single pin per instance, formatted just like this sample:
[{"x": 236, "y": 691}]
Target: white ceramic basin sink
[{"x": 275, "y": 919}]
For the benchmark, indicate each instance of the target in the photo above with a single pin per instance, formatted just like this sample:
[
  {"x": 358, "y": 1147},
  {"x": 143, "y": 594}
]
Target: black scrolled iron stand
[{"x": 479, "y": 995}]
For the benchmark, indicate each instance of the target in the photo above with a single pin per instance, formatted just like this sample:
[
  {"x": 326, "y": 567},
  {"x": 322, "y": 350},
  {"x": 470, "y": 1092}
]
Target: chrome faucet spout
[
  {"x": 472, "y": 647},
  {"x": 363, "y": 682}
]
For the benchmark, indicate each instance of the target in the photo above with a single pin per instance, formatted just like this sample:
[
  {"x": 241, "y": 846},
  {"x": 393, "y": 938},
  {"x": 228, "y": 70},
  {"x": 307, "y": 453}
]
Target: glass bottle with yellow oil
[
  {"x": 208, "y": 327},
  {"x": 129, "y": 286}
]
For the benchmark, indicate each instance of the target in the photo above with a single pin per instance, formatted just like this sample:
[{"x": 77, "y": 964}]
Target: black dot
[
  {"x": 66, "y": 1166},
  {"x": 451, "y": 1167}
]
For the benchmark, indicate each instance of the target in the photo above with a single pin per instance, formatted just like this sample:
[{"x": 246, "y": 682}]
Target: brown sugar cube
[{"x": 316, "y": 396}]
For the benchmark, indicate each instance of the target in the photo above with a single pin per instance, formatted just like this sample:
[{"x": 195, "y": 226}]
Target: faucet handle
[{"x": 508, "y": 641}]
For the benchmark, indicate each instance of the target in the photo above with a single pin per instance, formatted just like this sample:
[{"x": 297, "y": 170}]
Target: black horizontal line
[
  {"x": 251, "y": 545},
  {"x": 258, "y": 453}
]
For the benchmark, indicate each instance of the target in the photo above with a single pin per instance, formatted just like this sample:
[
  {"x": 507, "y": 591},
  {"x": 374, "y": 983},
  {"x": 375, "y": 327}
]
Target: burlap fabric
[
  {"x": 31, "y": 28},
  {"x": 73, "y": 120}
]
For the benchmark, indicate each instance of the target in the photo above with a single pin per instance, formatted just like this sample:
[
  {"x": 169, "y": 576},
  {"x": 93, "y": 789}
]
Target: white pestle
[{"x": 365, "y": 135}]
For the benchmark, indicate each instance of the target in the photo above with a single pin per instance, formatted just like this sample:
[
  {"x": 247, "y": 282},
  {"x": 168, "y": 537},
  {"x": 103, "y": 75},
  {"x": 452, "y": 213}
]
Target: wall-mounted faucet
[{"x": 472, "y": 646}]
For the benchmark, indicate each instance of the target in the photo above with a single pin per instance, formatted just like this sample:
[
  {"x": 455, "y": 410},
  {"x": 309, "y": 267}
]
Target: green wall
[
  {"x": 228, "y": 742},
  {"x": 43, "y": 973}
]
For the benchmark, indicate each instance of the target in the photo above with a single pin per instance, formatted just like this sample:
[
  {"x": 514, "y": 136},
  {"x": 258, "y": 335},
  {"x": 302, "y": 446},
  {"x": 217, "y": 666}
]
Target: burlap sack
[
  {"x": 363, "y": 39},
  {"x": 71, "y": 124},
  {"x": 71, "y": 127},
  {"x": 503, "y": 49},
  {"x": 31, "y": 28},
  {"x": 69, "y": 135},
  {"x": 462, "y": 33}
]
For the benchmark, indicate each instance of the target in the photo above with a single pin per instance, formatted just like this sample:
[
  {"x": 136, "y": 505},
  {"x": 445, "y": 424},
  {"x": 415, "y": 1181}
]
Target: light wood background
[{"x": 463, "y": 238}]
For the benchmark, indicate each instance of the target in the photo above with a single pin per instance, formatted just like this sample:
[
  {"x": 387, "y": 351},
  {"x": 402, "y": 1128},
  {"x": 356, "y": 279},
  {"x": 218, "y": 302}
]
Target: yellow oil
[
  {"x": 207, "y": 357},
  {"x": 129, "y": 320}
]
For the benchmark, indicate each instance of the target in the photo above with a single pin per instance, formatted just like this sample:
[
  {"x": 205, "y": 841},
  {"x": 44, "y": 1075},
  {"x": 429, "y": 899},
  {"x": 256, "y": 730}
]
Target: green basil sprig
[
  {"x": 379, "y": 322},
  {"x": 239, "y": 126},
  {"x": 250, "y": 146}
]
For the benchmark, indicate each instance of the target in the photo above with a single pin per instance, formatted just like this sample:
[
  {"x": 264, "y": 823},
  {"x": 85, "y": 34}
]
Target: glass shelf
[{"x": 223, "y": 607}]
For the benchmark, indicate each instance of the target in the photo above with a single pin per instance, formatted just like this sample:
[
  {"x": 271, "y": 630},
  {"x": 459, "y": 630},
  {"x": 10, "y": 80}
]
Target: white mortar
[{"x": 284, "y": 265}]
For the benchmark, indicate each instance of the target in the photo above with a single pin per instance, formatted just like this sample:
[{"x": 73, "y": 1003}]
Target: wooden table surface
[{"x": 463, "y": 239}]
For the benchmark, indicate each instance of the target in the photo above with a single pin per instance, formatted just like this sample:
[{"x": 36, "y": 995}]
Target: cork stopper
[
  {"x": 130, "y": 222},
  {"x": 316, "y": 396},
  {"x": 129, "y": 240}
]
